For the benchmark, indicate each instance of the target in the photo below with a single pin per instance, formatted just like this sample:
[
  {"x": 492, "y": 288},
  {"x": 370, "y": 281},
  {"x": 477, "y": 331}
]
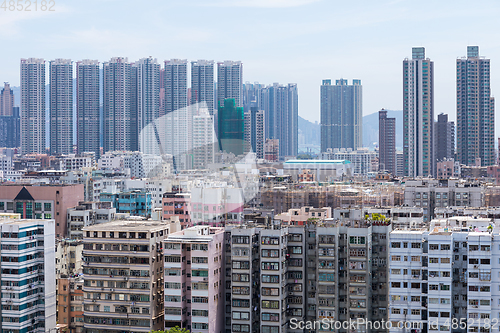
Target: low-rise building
[{"x": 135, "y": 203}]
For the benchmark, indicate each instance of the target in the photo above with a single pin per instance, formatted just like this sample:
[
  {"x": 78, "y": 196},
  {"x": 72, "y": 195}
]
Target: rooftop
[{"x": 125, "y": 225}]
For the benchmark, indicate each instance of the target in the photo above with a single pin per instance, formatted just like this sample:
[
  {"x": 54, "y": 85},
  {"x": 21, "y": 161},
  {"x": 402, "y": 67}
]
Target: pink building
[
  {"x": 445, "y": 169},
  {"x": 177, "y": 204},
  {"x": 193, "y": 278},
  {"x": 42, "y": 202},
  {"x": 494, "y": 172}
]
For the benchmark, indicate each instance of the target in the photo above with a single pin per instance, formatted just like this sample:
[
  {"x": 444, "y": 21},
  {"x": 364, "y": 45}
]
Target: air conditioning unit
[
  {"x": 9, "y": 301},
  {"x": 205, "y": 279},
  {"x": 125, "y": 278},
  {"x": 476, "y": 266}
]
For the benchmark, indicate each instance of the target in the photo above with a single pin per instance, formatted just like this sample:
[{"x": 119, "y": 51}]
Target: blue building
[{"x": 136, "y": 203}]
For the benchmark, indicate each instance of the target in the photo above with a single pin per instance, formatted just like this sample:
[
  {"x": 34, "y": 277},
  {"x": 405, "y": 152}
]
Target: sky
[{"x": 285, "y": 41}]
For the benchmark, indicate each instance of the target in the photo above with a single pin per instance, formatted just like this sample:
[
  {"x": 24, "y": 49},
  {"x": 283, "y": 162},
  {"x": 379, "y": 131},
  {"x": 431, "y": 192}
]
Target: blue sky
[{"x": 300, "y": 41}]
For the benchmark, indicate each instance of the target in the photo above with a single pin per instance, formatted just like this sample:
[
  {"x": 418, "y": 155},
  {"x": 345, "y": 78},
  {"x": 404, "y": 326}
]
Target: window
[
  {"x": 357, "y": 240},
  {"x": 270, "y": 317},
  {"x": 240, "y": 303},
  {"x": 270, "y": 304},
  {"x": 270, "y": 266},
  {"x": 241, "y": 277},
  {"x": 241, "y": 315},
  {"x": 270, "y": 279},
  {"x": 270, "y": 241}
]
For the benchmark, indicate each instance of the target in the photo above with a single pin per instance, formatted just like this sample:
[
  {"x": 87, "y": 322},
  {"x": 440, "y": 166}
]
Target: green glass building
[{"x": 230, "y": 120}]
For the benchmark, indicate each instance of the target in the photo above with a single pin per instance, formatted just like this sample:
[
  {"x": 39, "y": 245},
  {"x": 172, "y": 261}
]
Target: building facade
[
  {"x": 28, "y": 275},
  {"x": 231, "y": 134},
  {"x": 254, "y": 131},
  {"x": 88, "y": 94},
  {"x": 475, "y": 110},
  {"x": 445, "y": 138},
  {"x": 280, "y": 105},
  {"x": 418, "y": 114},
  {"x": 203, "y": 84},
  {"x": 386, "y": 142},
  {"x": 341, "y": 115},
  {"x": 123, "y": 284},
  {"x": 148, "y": 102},
  {"x": 6, "y": 100},
  {"x": 10, "y": 130},
  {"x": 229, "y": 82},
  {"x": 194, "y": 259},
  {"x": 42, "y": 202},
  {"x": 175, "y": 85},
  {"x": 32, "y": 110},
  {"x": 61, "y": 106},
  {"x": 119, "y": 109}
]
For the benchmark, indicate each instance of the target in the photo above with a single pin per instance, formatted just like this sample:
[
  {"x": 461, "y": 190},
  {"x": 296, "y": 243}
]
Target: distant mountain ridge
[{"x": 312, "y": 131}]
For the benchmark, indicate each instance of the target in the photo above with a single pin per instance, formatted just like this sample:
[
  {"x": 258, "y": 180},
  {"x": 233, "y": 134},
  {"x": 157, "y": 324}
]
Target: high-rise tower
[
  {"x": 61, "y": 106},
  {"x": 175, "y": 84},
  {"x": 418, "y": 114},
  {"x": 230, "y": 82},
  {"x": 341, "y": 115},
  {"x": 475, "y": 110},
  {"x": 6, "y": 100},
  {"x": 445, "y": 138},
  {"x": 202, "y": 83},
  {"x": 87, "y": 107},
  {"x": 280, "y": 105},
  {"x": 33, "y": 106},
  {"x": 148, "y": 102},
  {"x": 120, "y": 115},
  {"x": 387, "y": 142}
]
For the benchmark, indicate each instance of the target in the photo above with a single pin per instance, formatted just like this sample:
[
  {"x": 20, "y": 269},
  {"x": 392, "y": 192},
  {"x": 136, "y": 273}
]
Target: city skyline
[{"x": 372, "y": 46}]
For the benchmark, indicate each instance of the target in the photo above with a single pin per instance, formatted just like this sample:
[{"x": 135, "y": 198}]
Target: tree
[{"x": 175, "y": 329}]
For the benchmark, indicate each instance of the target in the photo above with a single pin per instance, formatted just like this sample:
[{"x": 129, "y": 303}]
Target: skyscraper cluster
[
  {"x": 425, "y": 141},
  {"x": 279, "y": 104},
  {"x": 130, "y": 106}
]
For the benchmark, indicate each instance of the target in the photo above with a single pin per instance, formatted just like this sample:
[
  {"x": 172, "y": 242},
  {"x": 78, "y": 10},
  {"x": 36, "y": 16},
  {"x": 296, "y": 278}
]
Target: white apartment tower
[
  {"x": 418, "y": 112},
  {"x": 254, "y": 132},
  {"x": 120, "y": 118},
  {"x": 148, "y": 102},
  {"x": 175, "y": 83},
  {"x": 202, "y": 83},
  {"x": 61, "y": 106},
  {"x": 32, "y": 106},
  {"x": 230, "y": 82},
  {"x": 204, "y": 140},
  {"x": 88, "y": 107},
  {"x": 445, "y": 278}
]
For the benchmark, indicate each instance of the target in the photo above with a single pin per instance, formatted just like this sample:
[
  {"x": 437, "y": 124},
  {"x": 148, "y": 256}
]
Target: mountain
[
  {"x": 309, "y": 133},
  {"x": 370, "y": 129}
]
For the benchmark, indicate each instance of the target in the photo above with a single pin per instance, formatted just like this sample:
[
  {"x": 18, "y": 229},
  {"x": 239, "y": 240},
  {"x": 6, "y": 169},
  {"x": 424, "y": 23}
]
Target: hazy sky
[{"x": 300, "y": 41}]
